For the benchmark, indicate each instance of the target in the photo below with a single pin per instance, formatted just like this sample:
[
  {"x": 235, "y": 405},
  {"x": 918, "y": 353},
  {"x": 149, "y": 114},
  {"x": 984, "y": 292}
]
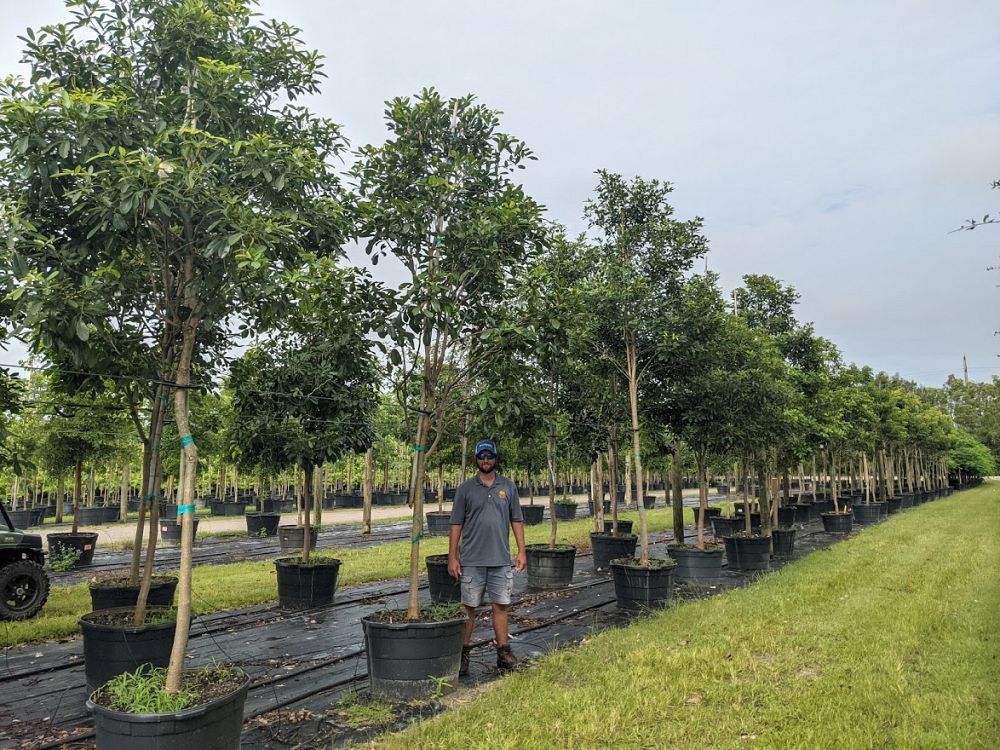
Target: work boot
[
  {"x": 463, "y": 670},
  {"x": 506, "y": 661}
]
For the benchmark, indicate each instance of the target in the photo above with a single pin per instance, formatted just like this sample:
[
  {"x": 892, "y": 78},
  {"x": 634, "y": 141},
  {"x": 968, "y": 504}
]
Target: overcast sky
[{"x": 834, "y": 145}]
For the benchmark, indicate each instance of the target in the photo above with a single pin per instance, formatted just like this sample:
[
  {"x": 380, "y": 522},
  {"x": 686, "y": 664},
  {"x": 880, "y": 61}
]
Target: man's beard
[{"x": 489, "y": 470}]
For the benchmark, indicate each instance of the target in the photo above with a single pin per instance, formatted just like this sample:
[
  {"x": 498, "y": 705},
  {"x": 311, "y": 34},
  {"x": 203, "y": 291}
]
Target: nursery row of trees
[{"x": 164, "y": 197}]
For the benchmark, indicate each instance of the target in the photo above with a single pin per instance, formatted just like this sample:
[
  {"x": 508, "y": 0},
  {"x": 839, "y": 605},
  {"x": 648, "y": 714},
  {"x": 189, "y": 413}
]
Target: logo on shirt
[{"x": 503, "y": 495}]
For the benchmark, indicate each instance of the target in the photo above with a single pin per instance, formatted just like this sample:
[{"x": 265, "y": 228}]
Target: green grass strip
[
  {"x": 886, "y": 640},
  {"x": 219, "y": 587}
]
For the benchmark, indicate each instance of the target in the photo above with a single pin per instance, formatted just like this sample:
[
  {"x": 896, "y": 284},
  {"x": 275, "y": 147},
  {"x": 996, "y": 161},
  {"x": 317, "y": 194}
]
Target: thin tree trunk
[
  {"x": 417, "y": 504},
  {"x": 702, "y": 497},
  {"x": 677, "y": 493},
  {"x": 60, "y": 496},
  {"x": 633, "y": 397},
  {"x": 368, "y": 487},
  {"x": 613, "y": 470},
  {"x": 77, "y": 489},
  {"x": 186, "y": 498},
  {"x": 551, "y": 460}
]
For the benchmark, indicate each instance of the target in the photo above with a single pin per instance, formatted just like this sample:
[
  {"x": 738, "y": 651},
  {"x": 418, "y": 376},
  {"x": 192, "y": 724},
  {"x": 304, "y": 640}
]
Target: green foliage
[
  {"x": 358, "y": 712},
  {"x": 11, "y": 392},
  {"x": 144, "y": 692},
  {"x": 63, "y": 557},
  {"x": 439, "y": 196},
  {"x": 309, "y": 394},
  {"x": 976, "y": 409},
  {"x": 970, "y": 456}
]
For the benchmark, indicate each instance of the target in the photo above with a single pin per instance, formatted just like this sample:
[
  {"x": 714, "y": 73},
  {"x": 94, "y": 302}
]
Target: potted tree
[
  {"x": 641, "y": 255},
  {"x": 220, "y": 187},
  {"x": 306, "y": 396},
  {"x": 431, "y": 196}
]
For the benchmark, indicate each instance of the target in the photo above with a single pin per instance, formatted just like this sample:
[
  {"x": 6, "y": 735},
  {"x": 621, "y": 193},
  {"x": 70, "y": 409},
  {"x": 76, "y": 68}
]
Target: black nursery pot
[
  {"x": 216, "y": 725},
  {"x": 697, "y": 565},
  {"x": 85, "y": 542},
  {"x": 110, "y": 650},
  {"x": 532, "y": 514},
  {"x": 263, "y": 524},
  {"x": 438, "y": 523},
  {"x": 170, "y": 530},
  {"x": 639, "y": 587},
  {"x": 748, "y": 552},
  {"x": 306, "y": 585},
  {"x": 624, "y": 527},
  {"x": 608, "y": 547},
  {"x": 161, "y": 594},
  {"x": 783, "y": 542},
  {"x": 786, "y": 515},
  {"x": 290, "y": 538},
  {"x": 443, "y": 588},
  {"x": 21, "y": 519},
  {"x": 550, "y": 568},
  {"x": 710, "y": 513},
  {"x": 866, "y": 513},
  {"x": 565, "y": 511},
  {"x": 838, "y": 523},
  {"x": 409, "y": 660},
  {"x": 724, "y": 526}
]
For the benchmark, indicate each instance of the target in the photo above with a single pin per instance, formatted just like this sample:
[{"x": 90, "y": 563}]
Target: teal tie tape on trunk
[
  {"x": 182, "y": 509},
  {"x": 418, "y": 448},
  {"x": 416, "y": 539},
  {"x": 187, "y": 440}
]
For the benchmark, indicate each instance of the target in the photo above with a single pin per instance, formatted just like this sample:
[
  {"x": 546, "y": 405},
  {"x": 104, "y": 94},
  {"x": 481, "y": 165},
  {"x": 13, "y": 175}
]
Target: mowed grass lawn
[
  {"x": 890, "y": 639},
  {"x": 220, "y": 587}
]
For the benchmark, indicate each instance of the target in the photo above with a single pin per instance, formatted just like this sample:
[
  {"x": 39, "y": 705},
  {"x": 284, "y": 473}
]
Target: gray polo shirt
[{"x": 485, "y": 514}]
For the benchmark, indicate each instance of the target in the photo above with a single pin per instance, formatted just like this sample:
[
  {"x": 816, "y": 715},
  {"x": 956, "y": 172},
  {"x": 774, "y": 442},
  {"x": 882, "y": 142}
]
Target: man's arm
[
  {"x": 454, "y": 536},
  {"x": 521, "y": 561}
]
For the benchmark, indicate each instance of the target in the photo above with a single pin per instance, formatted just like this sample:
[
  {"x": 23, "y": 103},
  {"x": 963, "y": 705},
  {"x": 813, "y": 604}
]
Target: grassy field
[
  {"x": 890, "y": 639},
  {"x": 218, "y": 587}
]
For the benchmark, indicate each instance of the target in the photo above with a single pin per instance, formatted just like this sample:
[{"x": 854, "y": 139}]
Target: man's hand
[
  {"x": 454, "y": 569},
  {"x": 521, "y": 561}
]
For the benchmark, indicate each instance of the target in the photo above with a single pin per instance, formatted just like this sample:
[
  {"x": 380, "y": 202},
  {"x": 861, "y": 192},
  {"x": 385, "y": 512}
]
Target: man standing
[{"x": 486, "y": 508}]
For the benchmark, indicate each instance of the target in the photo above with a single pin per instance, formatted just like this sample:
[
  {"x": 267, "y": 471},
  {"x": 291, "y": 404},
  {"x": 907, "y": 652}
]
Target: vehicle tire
[{"x": 24, "y": 589}]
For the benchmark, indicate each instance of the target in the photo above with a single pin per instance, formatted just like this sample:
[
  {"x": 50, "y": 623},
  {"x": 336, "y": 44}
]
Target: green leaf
[{"x": 82, "y": 332}]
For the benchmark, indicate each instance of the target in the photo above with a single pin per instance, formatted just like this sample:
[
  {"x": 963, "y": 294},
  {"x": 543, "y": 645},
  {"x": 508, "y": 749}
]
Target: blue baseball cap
[{"x": 486, "y": 446}]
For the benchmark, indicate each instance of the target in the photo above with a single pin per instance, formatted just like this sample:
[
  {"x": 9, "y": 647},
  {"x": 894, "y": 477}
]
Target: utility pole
[{"x": 965, "y": 369}]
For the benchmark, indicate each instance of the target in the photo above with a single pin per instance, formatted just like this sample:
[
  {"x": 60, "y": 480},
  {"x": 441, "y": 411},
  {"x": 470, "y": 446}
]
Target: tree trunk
[
  {"x": 551, "y": 460},
  {"x": 700, "y": 458},
  {"x": 175, "y": 669},
  {"x": 765, "y": 499},
  {"x": 613, "y": 478},
  {"x": 60, "y": 497},
  {"x": 307, "y": 504},
  {"x": 677, "y": 493},
  {"x": 465, "y": 452},
  {"x": 633, "y": 398},
  {"x": 417, "y": 503},
  {"x": 440, "y": 492},
  {"x": 123, "y": 500},
  {"x": 77, "y": 489},
  {"x": 368, "y": 487}
]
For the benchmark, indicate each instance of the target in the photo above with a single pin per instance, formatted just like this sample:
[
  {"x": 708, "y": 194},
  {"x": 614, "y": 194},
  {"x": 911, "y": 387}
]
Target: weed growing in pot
[{"x": 63, "y": 558}]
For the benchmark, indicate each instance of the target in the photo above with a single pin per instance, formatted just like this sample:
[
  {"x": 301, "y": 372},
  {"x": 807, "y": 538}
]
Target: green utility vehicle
[{"x": 24, "y": 584}]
